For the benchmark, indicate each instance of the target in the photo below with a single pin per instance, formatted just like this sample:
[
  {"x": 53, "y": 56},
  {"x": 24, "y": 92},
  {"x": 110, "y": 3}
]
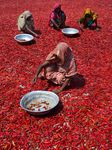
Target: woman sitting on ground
[
  {"x": 59, "y": 67},
  {"x": 57, "y": 17},
  {"x": 25, "y": 23},
  {"x": 87, "y": 19}
]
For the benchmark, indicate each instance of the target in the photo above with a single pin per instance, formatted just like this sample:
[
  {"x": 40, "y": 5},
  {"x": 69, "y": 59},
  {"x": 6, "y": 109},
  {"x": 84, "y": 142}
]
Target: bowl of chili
[
  {"x": 39, "y": 102},
  {"x": 23, "y": 38}
]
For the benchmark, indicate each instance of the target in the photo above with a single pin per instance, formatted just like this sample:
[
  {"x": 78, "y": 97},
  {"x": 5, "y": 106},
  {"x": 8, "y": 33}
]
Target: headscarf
[
  {"x": 22, "y": 19},
  {"x": 91, "y": 13},
  {"x": 67, "y": 63},
  {"x": 58, "y": 16}
]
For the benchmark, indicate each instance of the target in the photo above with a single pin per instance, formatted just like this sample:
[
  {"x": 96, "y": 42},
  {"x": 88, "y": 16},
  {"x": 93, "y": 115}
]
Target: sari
[
  {"x": 66, "y": 68},
  {"x": 88, "y": 20},
  {"x": 58, "y": 17},
  {"x": 22, "y": 21}
]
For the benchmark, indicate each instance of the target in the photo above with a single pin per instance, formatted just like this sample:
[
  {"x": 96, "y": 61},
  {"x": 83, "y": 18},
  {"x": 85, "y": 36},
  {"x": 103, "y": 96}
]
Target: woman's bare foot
[{"x": 98, "y": 29}]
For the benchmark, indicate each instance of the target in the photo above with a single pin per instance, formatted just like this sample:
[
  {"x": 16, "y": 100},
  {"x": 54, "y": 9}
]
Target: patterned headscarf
[{"x": 67, "y": 60}]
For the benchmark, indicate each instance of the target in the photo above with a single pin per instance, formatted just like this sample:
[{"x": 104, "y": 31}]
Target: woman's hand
[
  {"x": 58, "y": 28},
  {"x": 30, "y": 31},
  {"x": 62, "y": 87},
  {"x": 34, "y": 80},
  {"x": 45, "y": 63},
  {"x": 55, "y": 24},
  {"x": 57, "y": 91},
  {"x": 36, "y": 35}
]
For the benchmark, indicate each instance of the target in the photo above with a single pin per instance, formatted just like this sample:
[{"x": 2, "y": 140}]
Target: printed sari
[{"x": 66, "y": 68}]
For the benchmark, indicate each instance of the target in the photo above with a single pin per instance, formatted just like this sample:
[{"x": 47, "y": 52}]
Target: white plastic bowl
[
  {"x": 23, "y": 38},
  {"x": 70, "y": 31},
  {"x": 39, "y": 96}
]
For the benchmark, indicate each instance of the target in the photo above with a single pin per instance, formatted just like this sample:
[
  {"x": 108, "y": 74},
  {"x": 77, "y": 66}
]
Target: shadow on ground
[
  {"x": 37, "y": 31},
  {"x": 73, "y": 36},
  {"x": 94, "y": 27},
  {"x": 28, "y": 43}
]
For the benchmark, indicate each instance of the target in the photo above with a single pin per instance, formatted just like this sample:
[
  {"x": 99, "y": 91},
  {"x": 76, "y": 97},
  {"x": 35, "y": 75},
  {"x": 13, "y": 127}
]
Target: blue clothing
[{"x": 59, "y": 21}]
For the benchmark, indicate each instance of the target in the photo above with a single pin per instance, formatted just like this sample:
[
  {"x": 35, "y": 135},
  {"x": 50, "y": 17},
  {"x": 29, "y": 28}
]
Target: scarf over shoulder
[
  {"x": 54, "y": 16},
  {"x": 91, "y": 13},
  {"x": 22, "y": 20},
  {"x": 67, "y": 65}
]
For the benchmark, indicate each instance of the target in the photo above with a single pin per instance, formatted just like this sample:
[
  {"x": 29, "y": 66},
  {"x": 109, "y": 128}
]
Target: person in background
[
  {"x": 25, "y": 23},
  {"x": 57, "y": 17},
  {"x": 59, "y": 67},
  {"x": 87, "y": 19}
]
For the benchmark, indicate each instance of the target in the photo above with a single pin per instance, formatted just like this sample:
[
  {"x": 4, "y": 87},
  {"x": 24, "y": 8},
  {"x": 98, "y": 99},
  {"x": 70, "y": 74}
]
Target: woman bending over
[
  {"x": 59, "y": 67},
  {"x": 25, "y": 23},
  {"x": 87, "y": 19}
]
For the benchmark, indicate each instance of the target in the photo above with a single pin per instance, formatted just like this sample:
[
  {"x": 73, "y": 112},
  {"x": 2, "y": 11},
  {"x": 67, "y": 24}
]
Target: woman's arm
[
  {"x": 54, "y": 23},
  {"x": 62, "y": 87},
  {"x": 26, "y": 26},
  {"x": 39, "y": 70},
  {"x": 79, "y": 22},
  {"x": 97, "y": 28},
  {"x": 64, "y": 84}
]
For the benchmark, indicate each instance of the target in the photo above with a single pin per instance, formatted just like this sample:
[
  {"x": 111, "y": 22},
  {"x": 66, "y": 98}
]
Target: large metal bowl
[
  {"x": 23, "y": 38},
  {"x": 70, "y": 31},
  {"x": 42, "y": 97}
]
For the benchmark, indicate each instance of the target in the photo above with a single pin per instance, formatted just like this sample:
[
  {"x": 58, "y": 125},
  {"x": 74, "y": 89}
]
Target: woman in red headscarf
[
  {"x": 59, "y": 67},
  {"x": 57, "y": 17}
]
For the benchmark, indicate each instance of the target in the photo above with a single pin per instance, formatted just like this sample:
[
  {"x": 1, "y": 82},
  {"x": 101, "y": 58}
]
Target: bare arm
[
  {"x": 26, "y": 26},
  {"x": 54, "y": 23},
  {"x": 80, "y": 25},
  {"x": 97, "y": 28},
  {"x": 64, "y": 84},
  {"x": 79, "y": 22},
  {"x": 39, "y": 70},
  {"x": 62, "y": 87}
]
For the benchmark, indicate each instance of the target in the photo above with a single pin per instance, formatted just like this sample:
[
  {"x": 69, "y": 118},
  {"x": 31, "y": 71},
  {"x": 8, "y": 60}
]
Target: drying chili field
[{"x": 82, "y": 120}]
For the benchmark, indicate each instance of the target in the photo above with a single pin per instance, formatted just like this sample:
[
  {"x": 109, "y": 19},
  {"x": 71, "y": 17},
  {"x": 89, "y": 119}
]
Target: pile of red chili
[{"x": 82, "y": 120}]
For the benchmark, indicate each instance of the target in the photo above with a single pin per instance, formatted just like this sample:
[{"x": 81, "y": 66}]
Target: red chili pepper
[
  {"x": 44, "y": 107},
  {"x": 38, "y": 109},
  {"x": 82, "y": 119}
]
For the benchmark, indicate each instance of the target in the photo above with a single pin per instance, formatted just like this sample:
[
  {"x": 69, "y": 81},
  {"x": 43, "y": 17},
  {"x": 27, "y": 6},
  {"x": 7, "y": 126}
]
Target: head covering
[
  {"x": 62, "y": 51},
  {"x": 91, "y": 13},
  {"x": 23, "y": 18},
  {"x": 67, "y": 63},
  {"x": 57, "y": 5}
]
